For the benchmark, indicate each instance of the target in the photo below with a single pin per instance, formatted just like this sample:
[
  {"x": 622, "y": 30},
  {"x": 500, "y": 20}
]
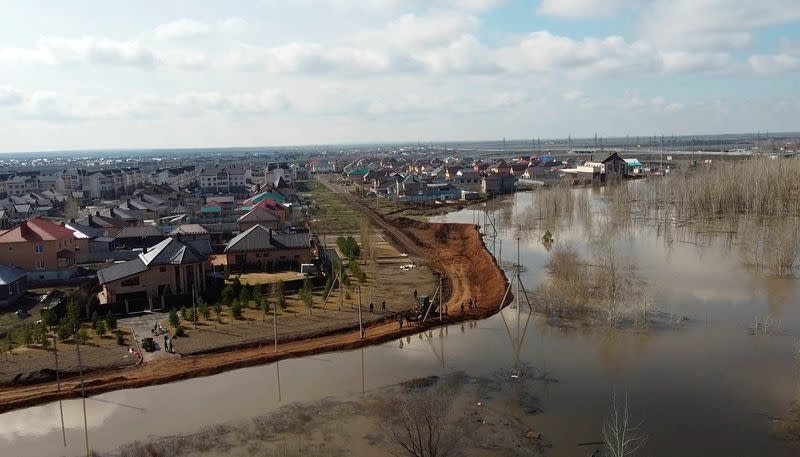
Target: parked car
[{"x": 148, "y": 344}]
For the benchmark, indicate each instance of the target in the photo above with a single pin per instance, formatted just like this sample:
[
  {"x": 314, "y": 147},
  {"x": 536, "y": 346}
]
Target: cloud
[
  {"x": 545, "y": 53},
  {"x": 712, "y": 24},
  {"x": 184, "y": 28},
  {"x": 769, "y": 64},
  {"x": 307, "y": 58},
  {"x": 181, "y": 29},
  {"x": 389, "y": 5},
  {"x": 9, "y": 96},
  {"x": 85, "y": 50},
  {"x": 51, "y": 106},
  {"x": 574, "y": 9}
]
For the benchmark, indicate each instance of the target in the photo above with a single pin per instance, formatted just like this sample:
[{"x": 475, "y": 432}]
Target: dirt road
[{"x": 456, "y": 250}]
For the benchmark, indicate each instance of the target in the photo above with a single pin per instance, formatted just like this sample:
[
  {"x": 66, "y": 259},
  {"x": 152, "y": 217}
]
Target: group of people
[
  {"x": 167, "y": 343},
  {"x": 159, "y": 330},
  {"x": 471, "y": 304},
  {"x": 372, "y": 307}
]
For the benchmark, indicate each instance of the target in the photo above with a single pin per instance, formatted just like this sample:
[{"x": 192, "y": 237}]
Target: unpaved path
[{"x": 456, "y": 250}]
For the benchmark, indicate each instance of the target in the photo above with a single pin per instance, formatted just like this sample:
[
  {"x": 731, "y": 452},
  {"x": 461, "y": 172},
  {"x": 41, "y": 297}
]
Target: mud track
[{"x": 455, "y": 250}]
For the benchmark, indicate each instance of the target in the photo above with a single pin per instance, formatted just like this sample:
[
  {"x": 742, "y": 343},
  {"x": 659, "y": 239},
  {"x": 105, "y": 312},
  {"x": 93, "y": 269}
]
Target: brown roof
[{"x": 36, "y": 229}]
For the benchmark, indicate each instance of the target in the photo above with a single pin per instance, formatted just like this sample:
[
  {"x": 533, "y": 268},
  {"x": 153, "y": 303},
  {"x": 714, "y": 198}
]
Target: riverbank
[{"x": 455, "y": 250}]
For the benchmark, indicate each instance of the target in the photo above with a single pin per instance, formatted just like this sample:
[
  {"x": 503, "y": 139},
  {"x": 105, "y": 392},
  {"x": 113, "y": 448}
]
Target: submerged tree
[
  {"x": 623, "y": 436},
  {"x": 421, "y": 424}
]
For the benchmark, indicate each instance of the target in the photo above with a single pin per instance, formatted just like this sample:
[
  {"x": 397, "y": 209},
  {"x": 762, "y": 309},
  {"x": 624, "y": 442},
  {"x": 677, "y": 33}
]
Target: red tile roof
[{"x": 36, "y": 229}]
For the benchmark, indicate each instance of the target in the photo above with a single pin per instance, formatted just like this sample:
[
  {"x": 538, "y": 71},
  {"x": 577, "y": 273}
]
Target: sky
[{"x": 91, "y": 74}]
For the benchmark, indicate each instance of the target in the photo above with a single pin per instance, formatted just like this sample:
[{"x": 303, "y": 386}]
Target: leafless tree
[
  {"x": 622, "y": 435},
  {"x": 420, "y": 424}
]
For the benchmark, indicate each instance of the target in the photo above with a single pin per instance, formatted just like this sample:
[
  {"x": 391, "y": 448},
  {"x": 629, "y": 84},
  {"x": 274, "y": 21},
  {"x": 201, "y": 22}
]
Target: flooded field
[{"x": 709, "y": 386}]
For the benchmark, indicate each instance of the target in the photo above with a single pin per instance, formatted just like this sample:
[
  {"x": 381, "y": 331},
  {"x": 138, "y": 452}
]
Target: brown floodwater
[{"x": 706, "y": 387}]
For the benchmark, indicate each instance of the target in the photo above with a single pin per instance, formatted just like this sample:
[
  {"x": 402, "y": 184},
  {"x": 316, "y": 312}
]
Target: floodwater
[{"x": 708, "y": 387}]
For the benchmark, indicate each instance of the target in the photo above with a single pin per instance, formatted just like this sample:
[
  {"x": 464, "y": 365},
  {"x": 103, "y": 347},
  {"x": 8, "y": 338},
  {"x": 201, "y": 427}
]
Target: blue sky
[{"x": 99, "y": 74}]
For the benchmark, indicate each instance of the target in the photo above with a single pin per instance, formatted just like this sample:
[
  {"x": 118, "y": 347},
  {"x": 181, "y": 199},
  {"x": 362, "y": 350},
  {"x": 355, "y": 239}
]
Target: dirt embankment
[{"x": 455, "y": 250}]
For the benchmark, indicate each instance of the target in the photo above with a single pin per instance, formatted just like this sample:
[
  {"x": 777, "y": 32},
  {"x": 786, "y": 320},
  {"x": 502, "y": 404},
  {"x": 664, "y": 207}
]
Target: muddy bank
[
  {"x": 455, "y": 250},
  {"x": 474, "y": 415}
]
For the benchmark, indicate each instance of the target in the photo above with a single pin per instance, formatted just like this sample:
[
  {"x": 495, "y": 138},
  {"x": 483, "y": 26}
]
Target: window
[
  {"x": 11, "y": 249},
  {"x": 39, "y": 249},
  {"x": 40, "y": 264}
]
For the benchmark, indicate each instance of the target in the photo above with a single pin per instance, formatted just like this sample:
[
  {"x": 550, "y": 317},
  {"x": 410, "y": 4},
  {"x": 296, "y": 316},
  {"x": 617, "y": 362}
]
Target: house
[
  {"x": 357, "y": 175},
  {"x": 260, "y": 215},
  {"x": 138, "y": 237},
  {"x": 13, "y": 284},
  {"x": 500, "y": 167},
  {"x": 634, "y": 166},
  {"x": 44, "y": 249},
  {"x": 583, "y": 174},
  {"x": 498, "y": 183},
  {"x": 168, "y": 268},
  {"x": 612, "y": 167},
  {"x": 411, "y": 185},
  {"x": 264, "y": 249},
  {"x": 468, "y": 180},
  {"x": 5, "y": 220}
]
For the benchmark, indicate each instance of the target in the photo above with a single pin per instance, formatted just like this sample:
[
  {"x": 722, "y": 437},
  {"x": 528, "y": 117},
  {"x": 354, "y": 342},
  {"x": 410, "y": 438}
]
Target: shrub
[
  {"x": 236, "y": 310},
  {"x": 42, "y": 337},
  {"x": 74, "y": 310},
  {"x": 100, "y": 328},
  {"x": 83, "y": 335},
  {"x": 174, "y": 320},
  {"x": 111, "y": 321},
  {"x": 204, "y": 310},
  {"x": 257, "y": 293},
  {"x": 179, "y": 332},
  {"x": 228, "y": 295},
  {"x": 120, "y": 337},
  {"x": 218, "y": 310},
  {"x": 244, "y": 295},
  {"x": 49, "y": 317},
  {"x": 65, "y": 328},
  {"x": 184, "y": 313},
  {"x": 305, "y": 294},
  {"x": 26, "y": 334},
  {"x": 280, "y": 298}
]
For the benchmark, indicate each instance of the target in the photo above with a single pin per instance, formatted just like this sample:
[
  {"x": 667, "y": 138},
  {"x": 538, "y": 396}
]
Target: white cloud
[
  {"x": 682, "y": 61},
  {"x": 389, "y": 5},
  {"x": 51, "y": 106},
  {"x": 768, "y": 64},
  {"x": 574, "y": 9},
  {"x": 85, "y": 50},
  {"x": 181, "y": 29},
  {"x": 306, "y": 58},
  {"x": 712, "y": 24},
  {"x": 9, "y": 96},
  {"x": 543, "y": 52},
  {"x": 233, "y": 25}
]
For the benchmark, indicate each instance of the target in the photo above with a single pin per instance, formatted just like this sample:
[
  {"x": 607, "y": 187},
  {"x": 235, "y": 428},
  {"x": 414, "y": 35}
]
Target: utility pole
[
  {"x": 83, "y": 390},
  {"x": 360, "y": 322},
  {"x": 58, "y": 384},
  {"x": 440, "y": 297},
  {"x": 275, "y": 325}
]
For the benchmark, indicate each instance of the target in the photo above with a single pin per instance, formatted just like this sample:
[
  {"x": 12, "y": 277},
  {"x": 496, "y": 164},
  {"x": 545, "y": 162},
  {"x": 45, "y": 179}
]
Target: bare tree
[
  {"x": 420, "y": 424},
  {"x": 623, "y": 437}
]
